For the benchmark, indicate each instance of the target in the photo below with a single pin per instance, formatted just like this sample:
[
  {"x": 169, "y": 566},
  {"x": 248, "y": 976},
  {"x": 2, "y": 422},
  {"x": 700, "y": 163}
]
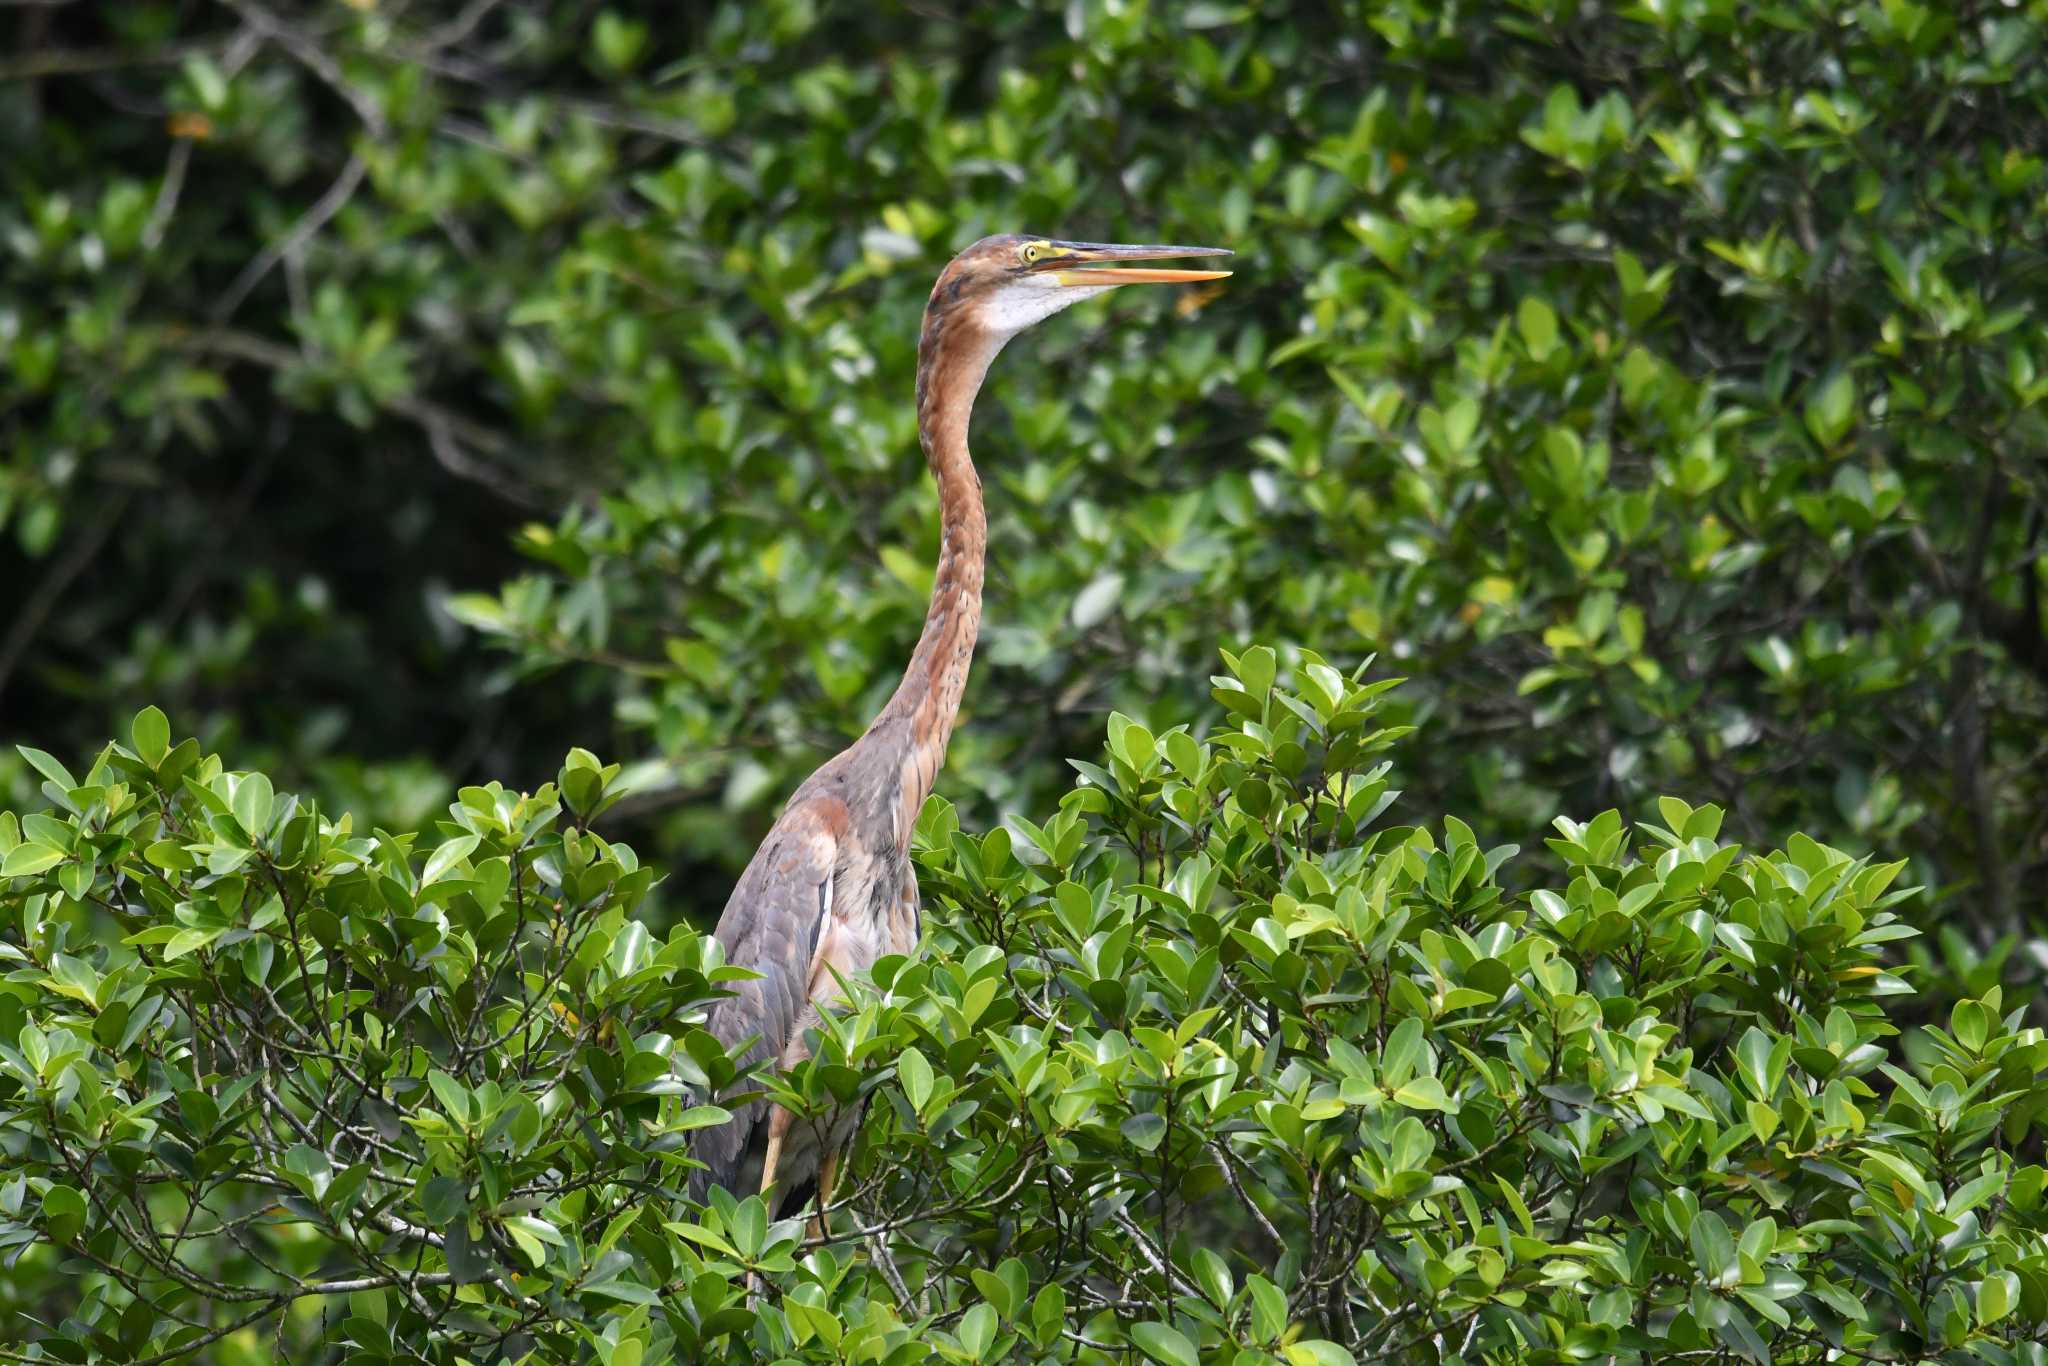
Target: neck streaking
[{"x": 953, "y": 357}]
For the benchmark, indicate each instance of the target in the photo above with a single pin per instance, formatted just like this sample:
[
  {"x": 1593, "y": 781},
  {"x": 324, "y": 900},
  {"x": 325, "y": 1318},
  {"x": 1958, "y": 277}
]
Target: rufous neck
[{"x": 952, "y": 361}]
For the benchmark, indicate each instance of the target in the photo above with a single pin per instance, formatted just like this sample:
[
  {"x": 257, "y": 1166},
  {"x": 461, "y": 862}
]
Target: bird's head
[{"x": 1002, "y": 285}]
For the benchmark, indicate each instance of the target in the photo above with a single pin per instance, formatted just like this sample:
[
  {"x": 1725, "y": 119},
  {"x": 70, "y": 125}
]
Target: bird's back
[
  {"x": 826, "y": 893},
  {"x": 770, "y": 925}
]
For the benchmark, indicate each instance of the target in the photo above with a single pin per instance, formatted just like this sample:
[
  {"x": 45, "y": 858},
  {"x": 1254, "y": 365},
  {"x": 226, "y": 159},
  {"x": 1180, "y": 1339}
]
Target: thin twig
[
  {"x": 314, "y": 219},
  {"x": 314, "y": 58},
  {"x": 1224, "y": 1158},
  {"x": 82, "y": 61},
  {"x": 448, "y": 431},
  {"x": 461, "y": 26},
  {"x": 35, "y": 610}
]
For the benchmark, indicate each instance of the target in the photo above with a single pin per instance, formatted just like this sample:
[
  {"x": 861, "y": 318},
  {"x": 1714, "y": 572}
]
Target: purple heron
[{"x": 831, "y": 888}]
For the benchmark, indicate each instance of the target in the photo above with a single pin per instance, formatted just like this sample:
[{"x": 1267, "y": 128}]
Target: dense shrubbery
[
  {"x": 1659, "y": 386},
  {"x": 1209, "y": 1065}
]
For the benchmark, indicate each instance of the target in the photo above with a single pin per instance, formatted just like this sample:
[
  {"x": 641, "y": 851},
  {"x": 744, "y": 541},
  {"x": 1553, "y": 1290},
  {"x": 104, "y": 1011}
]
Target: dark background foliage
[
  {"x": 402, "y": 392},
  {"x": 399, "y": 394}
]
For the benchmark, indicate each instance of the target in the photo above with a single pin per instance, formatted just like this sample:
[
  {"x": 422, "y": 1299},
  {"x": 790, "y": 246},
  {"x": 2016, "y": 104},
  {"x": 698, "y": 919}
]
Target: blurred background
[{"x": 401, "y": 393}]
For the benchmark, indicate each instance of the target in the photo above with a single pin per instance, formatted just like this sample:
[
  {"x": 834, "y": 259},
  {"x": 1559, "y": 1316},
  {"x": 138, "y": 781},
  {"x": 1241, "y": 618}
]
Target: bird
[{"x": 831, "y": 889}]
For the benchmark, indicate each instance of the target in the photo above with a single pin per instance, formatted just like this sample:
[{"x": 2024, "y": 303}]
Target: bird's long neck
[{"x": 953, "y": 357}]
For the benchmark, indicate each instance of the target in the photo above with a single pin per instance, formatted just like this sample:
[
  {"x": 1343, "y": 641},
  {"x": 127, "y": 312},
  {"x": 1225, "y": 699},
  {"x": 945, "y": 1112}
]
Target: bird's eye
[{"x": 1030, "y": 252}]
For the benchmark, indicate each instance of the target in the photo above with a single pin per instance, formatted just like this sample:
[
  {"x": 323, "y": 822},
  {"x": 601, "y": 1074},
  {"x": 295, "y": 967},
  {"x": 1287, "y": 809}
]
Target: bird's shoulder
[{"x": 780, "y": 887}]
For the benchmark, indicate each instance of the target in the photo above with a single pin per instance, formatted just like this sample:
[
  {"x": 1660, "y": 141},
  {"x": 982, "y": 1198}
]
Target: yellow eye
[{"x": 1030, "y": 252}]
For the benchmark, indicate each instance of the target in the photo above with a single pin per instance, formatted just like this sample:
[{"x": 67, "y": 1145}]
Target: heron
[{"x": 830, "y": 889}]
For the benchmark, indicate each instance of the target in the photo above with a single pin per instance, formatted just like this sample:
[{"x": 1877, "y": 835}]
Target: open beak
[{"x": 1085, "y": 254}]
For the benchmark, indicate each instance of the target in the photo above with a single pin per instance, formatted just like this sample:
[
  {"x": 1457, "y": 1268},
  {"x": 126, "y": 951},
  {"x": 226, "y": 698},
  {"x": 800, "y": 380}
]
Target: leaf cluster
[
  {"x": 1658, "y": 385},
  {"x": 1210, "y": 1064}
]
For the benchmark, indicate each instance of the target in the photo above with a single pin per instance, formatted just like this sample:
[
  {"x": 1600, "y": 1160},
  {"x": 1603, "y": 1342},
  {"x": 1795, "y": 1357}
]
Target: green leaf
[
  {"x": 1048, "y": 1312},
  {"x": 253, "y": 803},
  {"x": 310, "y": 1167},
  {"x": 1144, "y": 1132},
  {"x": 1212, "y": 1273},
  {"x": 493, "y": 879},
  {"x": 978, "y": 1331},
  {"x": 1423, "y": 1093},
  {"x": 1712, "y": 1248},
  {"x": 1093, "y": 604},
  {"x": 208, "y": 83},
  {"x": 1164, "y": 1344},
  {"x": 186, "y": 942},
  {"x": 538, "y": 1228},
  {"x": 1831, "y": 409},
  {"x": 1538, "y": 323},
  {"x": 1997, "y": 1294},
  {"x": 1763, "y": 1120},
  {"x": 915, "y": 1076},
  {"x": 618, "y": 42},
  {"x": 454, "y": 1096},
  {"x": 1256, "y": 669},
  {"x": 1403, "y": 1052},
  {"x": 523, "y": 1238},
  {"x": 24, "y": 860},
  {"x": 701, "y": 1117},
  {"x": 1269, "y": 1308},
  {"x": 630, "y": 1292},
  {"x": 151, "y": 734},
  {"x": 48, "y": 766},
  {"x": 64, "y": 1210},
  {"x": 446, "y": 856}
]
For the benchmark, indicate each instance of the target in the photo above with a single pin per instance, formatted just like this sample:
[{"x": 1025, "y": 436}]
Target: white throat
[{"x": 1032, "y": 299}]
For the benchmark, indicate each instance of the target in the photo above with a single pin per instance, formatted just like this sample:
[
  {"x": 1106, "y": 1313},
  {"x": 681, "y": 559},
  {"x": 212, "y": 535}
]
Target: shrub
[{"x": 1209, "y": 1065}]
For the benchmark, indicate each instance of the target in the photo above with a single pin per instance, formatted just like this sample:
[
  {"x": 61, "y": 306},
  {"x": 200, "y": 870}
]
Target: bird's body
[
  {"x": 859, "y": 898},
  {"x": 831, "y": 888}
]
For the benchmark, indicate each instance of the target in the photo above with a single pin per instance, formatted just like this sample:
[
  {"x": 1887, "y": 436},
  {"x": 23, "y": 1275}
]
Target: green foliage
[
  {"x": 1659, "y": 385},
  {"x": 1210, "y": 1065},
  {"x": 395, "y": 394}
]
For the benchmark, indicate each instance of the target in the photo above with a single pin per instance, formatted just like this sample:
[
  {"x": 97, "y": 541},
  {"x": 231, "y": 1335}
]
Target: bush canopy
[{"x": 1211, "y": 1064}]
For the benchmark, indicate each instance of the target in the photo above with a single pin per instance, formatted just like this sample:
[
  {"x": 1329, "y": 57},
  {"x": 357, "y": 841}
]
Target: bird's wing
[{"x": 771, "y": 924}]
